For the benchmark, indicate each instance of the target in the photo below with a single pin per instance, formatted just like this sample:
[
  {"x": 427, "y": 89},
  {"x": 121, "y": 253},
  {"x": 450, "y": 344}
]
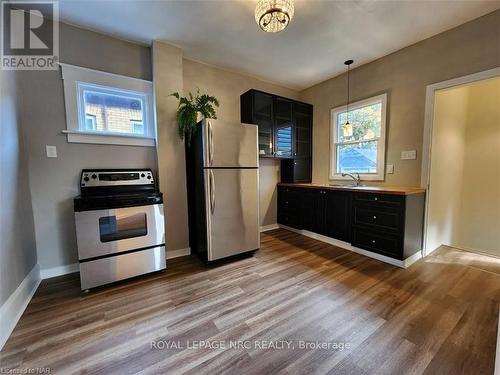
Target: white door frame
[{"x": 427, "y": 140}]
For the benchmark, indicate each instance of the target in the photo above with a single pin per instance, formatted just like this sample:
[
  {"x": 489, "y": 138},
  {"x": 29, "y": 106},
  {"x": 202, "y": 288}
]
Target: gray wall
[
  {"x": 17, "y": 235},
  {"x": 54, "y": 182}
]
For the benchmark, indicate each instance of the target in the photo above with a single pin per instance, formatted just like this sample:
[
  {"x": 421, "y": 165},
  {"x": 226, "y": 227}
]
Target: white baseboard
[
  {"x": 497, "y": 356},
  {"x": 178, "y": 253},
  {"x": 412, "y": 259},
  {"x": 265, "y": 228},
  {"x": 347, "y": 246},
  {"x": 13, "y": 308},
  {"x": 47, "y": 273}
]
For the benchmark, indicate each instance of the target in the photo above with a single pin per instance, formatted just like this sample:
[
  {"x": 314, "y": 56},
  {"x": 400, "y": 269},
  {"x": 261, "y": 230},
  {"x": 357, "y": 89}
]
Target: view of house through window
[
  {"x": 90, "y": 122},
  {"x": 358, "y": 145},
  {"x": 113, "y": 112}
]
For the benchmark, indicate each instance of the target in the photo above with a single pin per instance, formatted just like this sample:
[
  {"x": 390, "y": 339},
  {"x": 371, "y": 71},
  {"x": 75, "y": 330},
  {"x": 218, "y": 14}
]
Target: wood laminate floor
[{"x": 437, "y": 317}]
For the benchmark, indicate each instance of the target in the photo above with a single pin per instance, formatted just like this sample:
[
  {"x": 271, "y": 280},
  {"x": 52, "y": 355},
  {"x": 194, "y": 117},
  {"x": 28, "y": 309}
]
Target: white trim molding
[
  {"x": 497, "y": 357},
  {"x": 76, "y": 79},
  {"x": 347, "y": 246},
  {"x": 269, "y": 227},
  {"x": 12, "y": 310},
  {"x": 171, "y": 254},
  {"x": 47, "y": 273},
  {"x": 380, "y": 174},
  {"x": 430, "y": 94}
]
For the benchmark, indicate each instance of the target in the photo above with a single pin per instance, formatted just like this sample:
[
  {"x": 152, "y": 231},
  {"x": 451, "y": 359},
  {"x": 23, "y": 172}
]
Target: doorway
[{"x": 462, "y": 168}]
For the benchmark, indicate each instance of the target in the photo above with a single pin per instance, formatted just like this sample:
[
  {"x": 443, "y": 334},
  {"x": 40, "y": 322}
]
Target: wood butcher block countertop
[{"x": 365, "y": 189}]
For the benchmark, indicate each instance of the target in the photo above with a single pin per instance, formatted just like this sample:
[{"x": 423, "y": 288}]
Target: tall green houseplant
[{"x": 189, "y": 108}]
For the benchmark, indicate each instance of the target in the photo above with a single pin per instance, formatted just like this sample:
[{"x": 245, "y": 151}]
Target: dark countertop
[{"x": 365, "y": 189}]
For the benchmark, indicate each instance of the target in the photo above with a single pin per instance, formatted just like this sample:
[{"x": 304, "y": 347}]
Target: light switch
[
  {"x": 390, "y": 168},
  {"x": 409, "y": 155},
  {"x": 51, "y": 151}
]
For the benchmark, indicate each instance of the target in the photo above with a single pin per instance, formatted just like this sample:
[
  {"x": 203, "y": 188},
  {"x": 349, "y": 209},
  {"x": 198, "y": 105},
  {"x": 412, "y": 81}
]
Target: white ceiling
[{"x": 322, "y": 35}]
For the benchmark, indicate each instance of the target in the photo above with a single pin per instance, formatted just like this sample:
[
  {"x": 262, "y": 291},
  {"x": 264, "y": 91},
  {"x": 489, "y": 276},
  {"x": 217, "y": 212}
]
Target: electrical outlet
[
  {"x": 409, "y": 155},
  {"x": 390, "y": 168},
  {"x": 51, "y": 151}
]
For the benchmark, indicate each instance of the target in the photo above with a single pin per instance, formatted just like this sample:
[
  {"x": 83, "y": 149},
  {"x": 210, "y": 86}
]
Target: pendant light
[{"x": 347, "y": 130}]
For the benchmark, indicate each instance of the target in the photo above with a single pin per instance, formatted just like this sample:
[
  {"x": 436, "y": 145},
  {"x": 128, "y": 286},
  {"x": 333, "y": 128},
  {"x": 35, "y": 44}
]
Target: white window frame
[
  {"x": 76, "y": 78},
  {"x": 379, "y": 175}
]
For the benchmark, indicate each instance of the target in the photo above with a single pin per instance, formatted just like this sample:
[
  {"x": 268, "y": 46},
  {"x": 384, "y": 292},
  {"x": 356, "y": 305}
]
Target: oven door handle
[{"x": 212, "y": 191}]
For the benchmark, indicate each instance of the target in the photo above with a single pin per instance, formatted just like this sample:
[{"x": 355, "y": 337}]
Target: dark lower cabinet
[
  {"x": 337, "y": 222},
  {"x": 319, "y": 211},
  {"x": 390, "y": 225},
  {"x": 311, "y": 209},
  {"x": 289, "y": 203}
]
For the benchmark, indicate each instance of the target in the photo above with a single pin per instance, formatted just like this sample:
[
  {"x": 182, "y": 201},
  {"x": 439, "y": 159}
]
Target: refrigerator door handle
[
  {"x": 210, "y": 144},
  {"x": 212, "y": 191}
]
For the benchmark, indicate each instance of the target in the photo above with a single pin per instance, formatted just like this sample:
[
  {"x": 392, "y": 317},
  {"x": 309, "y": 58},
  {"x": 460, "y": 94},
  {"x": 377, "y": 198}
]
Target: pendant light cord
[
  {"x": 348, "y": 86},
  {"x": 348, "y": 63}
]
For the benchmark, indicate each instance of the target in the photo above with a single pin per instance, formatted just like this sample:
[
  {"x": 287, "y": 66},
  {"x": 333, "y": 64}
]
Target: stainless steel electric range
[{"x": 120, "y": 227}]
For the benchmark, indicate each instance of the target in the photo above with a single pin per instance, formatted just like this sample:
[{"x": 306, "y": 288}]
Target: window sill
[{"x": 109, "y": 139}]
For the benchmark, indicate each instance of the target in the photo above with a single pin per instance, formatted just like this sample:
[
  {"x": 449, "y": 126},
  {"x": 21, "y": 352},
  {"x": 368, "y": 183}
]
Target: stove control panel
[{"x": 116, "y": 177}]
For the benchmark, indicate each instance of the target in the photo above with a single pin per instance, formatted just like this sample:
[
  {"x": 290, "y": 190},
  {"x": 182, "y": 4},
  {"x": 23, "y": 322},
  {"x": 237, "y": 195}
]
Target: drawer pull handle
[
  {"x": 374, "y": 217},
  {"x": 373, "y": 241},
  {"x": 375, "y": 199},
  {"x": 286, "y": 202}
]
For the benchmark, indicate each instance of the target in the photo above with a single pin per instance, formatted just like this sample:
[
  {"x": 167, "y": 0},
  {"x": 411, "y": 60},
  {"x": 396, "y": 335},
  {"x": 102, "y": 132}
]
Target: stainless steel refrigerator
[{"x": 222, "y": 169}]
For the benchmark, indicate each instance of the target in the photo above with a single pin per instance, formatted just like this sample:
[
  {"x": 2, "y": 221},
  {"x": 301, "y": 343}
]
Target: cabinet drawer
[
  {"x": 290, "y": 219},
  {"x": 287, "y": 203},
  {"x": 383, "y": 218},
  {"x": 288, "y": 199},
  {"x": 379, "y": 242},
  {"x": 379, "y": 199}
]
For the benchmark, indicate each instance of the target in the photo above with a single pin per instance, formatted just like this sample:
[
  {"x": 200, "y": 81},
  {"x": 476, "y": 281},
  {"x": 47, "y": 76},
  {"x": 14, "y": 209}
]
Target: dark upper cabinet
[
  {"x": 284, "y": 128},
  {"x": 285, "y": 131},
  {"x": 258, "y": 108},
  {"x": 300, "y": 168},
  {"x": 303, "y": 131}
]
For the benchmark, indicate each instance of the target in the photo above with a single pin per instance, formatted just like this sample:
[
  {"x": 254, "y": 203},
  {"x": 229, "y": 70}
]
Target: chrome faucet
[{"x": 355, "y": 178}]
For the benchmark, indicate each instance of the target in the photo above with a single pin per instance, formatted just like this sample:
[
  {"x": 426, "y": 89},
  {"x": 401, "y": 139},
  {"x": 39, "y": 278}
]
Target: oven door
[{"x": 112, "y": 231}]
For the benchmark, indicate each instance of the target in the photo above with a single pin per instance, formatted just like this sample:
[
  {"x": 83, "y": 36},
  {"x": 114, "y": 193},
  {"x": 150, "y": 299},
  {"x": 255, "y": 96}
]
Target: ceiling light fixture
[
  {"x": 347, "y": 129},
  {"x": 273, "y": 16}
]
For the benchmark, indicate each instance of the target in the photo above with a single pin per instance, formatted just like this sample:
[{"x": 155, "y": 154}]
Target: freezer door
[
  {"x": 232, "y": 211},
  {"x": 229, "y": 144}
]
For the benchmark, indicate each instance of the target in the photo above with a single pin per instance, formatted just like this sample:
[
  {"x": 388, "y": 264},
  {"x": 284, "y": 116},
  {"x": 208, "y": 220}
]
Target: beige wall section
[
  {"x": 54, "y": 182},
  {"x": 17, "y": 233},
  {"x": 469, "y": 48},
  {"x": 448, "y": 146},
  {"x": 167, "y": 78},
  {"x": 227, "y": 87},
  {"x": 480, "y": 209}
]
